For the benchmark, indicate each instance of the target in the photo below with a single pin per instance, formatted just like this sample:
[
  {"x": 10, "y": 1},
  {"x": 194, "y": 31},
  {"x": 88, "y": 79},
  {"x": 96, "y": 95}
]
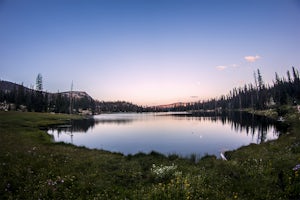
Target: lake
[{"x": 168, "y": 133}]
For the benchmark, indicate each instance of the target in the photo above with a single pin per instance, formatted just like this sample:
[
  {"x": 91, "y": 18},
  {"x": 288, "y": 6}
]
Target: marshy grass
[{"x": 32, "y": 166}]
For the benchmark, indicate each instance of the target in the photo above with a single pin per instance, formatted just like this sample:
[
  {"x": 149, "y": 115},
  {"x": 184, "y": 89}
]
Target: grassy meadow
[{"x": 32, "y": 166}]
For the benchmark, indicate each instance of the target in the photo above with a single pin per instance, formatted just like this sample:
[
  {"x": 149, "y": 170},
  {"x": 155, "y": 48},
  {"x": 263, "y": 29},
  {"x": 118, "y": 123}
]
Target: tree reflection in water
[
  {"x": 82, "y": 125},
  {"x": 242, "y": 121}
]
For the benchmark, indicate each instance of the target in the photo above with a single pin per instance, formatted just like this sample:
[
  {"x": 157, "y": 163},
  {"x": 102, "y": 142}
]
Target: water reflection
[
  {"x": 82, "y": 125},
  {"x": 181, "y": 133},
  {"x": 242, "y": 122}
]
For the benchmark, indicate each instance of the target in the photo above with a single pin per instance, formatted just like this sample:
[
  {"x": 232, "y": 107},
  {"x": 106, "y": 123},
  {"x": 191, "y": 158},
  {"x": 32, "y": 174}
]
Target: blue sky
[{"x": 148, "y": 52}]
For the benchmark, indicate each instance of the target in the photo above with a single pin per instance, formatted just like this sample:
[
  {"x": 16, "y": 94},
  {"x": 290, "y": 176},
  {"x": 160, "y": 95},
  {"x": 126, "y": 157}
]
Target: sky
[{"x": 148, "y": 52}]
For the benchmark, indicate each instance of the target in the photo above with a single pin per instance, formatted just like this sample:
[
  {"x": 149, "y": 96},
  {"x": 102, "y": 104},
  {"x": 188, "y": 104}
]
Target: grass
[{"x": 33, "y": 167}]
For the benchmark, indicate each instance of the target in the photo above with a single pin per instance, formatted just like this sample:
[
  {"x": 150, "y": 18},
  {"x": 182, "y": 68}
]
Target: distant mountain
[{"x": 77, "y": 94}]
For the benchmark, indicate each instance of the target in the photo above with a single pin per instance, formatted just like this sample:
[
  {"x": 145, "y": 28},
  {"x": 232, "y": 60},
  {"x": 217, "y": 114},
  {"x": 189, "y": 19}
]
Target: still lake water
[{"x": 167, "y": 133}]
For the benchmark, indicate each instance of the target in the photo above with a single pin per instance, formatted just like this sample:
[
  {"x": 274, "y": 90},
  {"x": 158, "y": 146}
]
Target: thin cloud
[
  {"x": 221, "y": 67},
  {"x": 251, "y": 58}
]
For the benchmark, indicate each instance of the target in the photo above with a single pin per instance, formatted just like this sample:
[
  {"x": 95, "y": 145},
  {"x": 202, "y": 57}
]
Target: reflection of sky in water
[{"x": 133, "y": 133}]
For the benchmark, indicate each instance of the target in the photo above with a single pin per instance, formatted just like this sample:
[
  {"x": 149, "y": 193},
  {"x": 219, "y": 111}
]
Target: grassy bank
[{"x": 33, "y": 167}]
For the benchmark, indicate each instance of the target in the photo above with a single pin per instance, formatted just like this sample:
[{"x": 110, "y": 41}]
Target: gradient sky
[{"x": 148, "y": 52}]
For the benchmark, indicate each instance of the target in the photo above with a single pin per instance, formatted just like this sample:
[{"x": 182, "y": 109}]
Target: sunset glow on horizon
[{"x": 148, "y": 52}]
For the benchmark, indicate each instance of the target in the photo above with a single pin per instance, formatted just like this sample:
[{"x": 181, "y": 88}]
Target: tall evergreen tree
[
  {"x": 39, "y": 82},
  {"x": 260, "y": 80}
]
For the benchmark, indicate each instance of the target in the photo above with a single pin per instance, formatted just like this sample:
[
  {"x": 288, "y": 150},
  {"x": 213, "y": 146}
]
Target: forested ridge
[{"x": 18, "y": 97}]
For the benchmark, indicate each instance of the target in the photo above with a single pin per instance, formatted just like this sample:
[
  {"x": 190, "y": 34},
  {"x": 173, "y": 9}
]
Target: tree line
[
  {"x": 284, "y": 90},
  {"x": 118, "y": 106}
]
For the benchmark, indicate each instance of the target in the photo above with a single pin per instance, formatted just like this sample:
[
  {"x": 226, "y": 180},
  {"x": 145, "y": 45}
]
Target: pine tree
[
  {"x": 39, "y": 82},
  {"x": 260, "y": 80}
]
